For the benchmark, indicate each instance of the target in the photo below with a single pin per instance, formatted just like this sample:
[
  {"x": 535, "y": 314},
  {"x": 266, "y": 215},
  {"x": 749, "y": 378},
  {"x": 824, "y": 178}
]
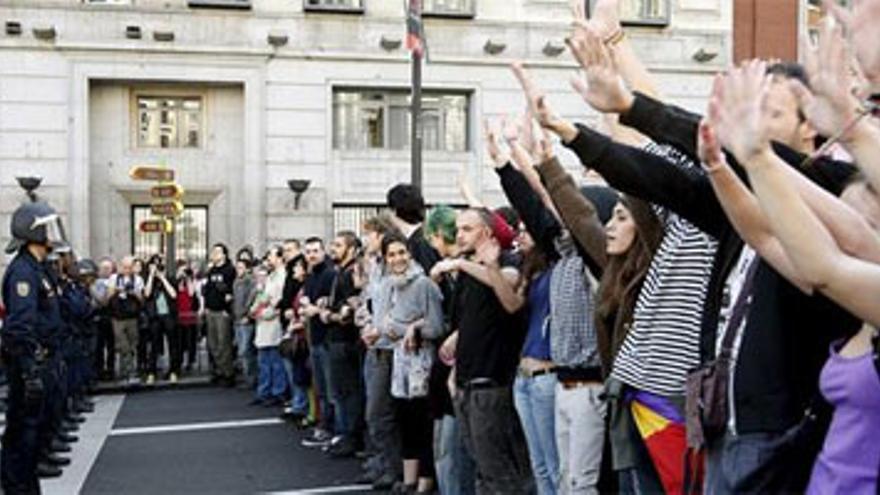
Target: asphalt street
[{"x": 193, "y": 441}]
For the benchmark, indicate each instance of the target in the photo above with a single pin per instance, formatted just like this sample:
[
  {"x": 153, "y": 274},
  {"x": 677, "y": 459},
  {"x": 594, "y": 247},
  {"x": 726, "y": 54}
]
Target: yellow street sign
[
  {"x": 167, "y": 191},
  {"x": 168, "y": 209},
  {"x": 149, "y": 172}
]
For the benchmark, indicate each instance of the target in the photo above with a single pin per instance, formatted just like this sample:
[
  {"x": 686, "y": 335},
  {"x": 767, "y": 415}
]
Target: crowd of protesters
[{"x": 700, "y": 318}]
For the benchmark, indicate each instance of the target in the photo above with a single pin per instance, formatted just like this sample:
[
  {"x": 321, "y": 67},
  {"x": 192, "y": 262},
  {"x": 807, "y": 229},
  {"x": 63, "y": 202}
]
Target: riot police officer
[
  {"x": 84, "y": 274},
  {"x": 33, "y": 316}
]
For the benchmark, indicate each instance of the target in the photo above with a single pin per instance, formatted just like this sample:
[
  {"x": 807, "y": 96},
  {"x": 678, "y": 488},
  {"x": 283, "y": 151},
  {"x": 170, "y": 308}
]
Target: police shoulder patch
[{"x": 23, "y": 289}]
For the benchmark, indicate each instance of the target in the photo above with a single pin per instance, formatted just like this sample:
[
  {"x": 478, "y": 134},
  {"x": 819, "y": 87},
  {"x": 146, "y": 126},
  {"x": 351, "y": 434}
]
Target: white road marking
[
  {"x": 92, "y": 435},
  {"x": 325, "y": 489},
  {"x": 195, "y": 426}
]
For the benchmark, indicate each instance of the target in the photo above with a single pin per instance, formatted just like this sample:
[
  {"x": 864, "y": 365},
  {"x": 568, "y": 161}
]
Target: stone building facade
[{"x": 241, "y": 96}]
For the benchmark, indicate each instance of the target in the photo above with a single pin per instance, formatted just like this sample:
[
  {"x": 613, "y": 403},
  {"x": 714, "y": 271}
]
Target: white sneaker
[
  {"x": 319, "y": 438},
  {"x": 172, "y": 378},
  {"x": 151, "y": 379}
]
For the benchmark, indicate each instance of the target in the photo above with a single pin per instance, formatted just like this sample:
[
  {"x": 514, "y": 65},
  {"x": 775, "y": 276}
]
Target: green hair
[{"x": 441, "y": 220}]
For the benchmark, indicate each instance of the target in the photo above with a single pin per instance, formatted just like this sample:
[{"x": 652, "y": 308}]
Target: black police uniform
[
  {"x": 56, "y": 385},
  {"x": 33, "y": 317}
]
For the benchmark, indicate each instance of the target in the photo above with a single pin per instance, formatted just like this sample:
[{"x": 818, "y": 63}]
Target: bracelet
[{"x": 615, "y": 38}]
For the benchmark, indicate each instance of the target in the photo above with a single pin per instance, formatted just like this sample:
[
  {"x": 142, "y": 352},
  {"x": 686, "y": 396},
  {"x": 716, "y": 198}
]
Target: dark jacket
[
  {"x": 291, "y": 289},
  {"x": 343, "y": 288},
  {"x": 787, "y": 334},
  {"x": 33, "y": 312},
  {"x": 421, "y": 250},
  {"x": 318, "y": 284}
]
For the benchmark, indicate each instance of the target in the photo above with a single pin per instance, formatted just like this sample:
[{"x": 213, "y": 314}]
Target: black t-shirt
[
  {"x": 489, "y": 338},
  {"x": 343, "y": 288},
  {"x": 218, "y": 285},
  {"x": 318, "y": 284}
]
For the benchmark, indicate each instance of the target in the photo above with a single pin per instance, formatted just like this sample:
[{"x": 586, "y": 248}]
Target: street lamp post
[
  {"x": 415, "y": 42},
  {"x": 30, "y": 185}
]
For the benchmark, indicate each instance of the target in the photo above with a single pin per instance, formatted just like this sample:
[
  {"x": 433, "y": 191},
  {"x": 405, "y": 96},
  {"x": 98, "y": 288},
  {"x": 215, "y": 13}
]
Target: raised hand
[
  {"x": 740, "y": 121},
  {"x": 708, "y": 144},
  {"x": 536, "y": 98},
  {"x": 863, "y": 27},
  {"x": 604, "y": 21},
  {"x": 831, "y": 106},
  {"x": 709, "y": 148},
  {"x": 603, "y": 89},
  {"x": 497, "y": 155},
  {"x": 512, "y": 130}
]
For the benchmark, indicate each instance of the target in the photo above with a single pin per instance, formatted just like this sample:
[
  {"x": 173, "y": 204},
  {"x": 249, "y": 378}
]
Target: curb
[{"x": 116, "y": 388}]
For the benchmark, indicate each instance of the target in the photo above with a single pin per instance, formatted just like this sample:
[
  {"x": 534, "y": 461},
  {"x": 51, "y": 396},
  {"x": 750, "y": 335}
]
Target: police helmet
[
  {"x": 35, "y": 222},
  {"x": 86, "y": 268}
]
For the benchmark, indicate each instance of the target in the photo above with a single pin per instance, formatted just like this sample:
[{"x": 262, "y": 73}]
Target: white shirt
[{"x": 732, "y": 290}]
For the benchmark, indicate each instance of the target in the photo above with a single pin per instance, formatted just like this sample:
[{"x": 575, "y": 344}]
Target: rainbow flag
[{"x": 662, "y": 428}]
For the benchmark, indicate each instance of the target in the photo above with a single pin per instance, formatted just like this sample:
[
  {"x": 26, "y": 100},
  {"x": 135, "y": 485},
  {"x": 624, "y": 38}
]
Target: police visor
[{"x": 54, "y": 231}]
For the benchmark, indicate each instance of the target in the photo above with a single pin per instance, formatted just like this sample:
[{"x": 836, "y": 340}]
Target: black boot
[
  {"x": 83, "y": 406},
  {"x": 75, "y": 418},
  {"x": 45, "y": 470},
  {"x": 56, "y": 460},
  {"x": 67, "y": 437},
  {"x": 59, "y": 445}
]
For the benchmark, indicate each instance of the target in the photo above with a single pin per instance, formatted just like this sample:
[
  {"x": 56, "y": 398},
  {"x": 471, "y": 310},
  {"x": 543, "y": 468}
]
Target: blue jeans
[
  {"x": 456, "y": 469},
  {"x": 272, "y": 383},
  {"x": 345, "y": 377},
  {"x": 535, "y": 399},
  {"x": 247, "y": 353},
  {"x": 320, "y": 363},
  {"x": 299, "y": 396}
]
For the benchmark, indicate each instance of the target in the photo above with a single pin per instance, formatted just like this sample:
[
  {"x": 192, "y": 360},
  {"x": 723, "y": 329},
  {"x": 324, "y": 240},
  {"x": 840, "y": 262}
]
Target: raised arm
[
  {"x": 539, "y": 221},
  {"x": 863, "y": 26},
  {"x": 832, "y": 108},
  {"x": 467, "y": 192},
  {"x": 742, "y": 207},
  {"x": 605, "y": 23},
  {"x": 632, "y": 170},
  {"x": 577, "y": 212},
  {"x": 523, "y": 146},
  {"x": 849, "y": 281}
]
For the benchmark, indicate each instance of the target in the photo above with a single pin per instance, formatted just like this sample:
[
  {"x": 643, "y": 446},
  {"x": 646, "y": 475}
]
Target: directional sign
[
  {"x": 170, "y": 209},
  {"x": 152, "y": 226},
  {"x": 152, "y": 173},
  {"x": 167, "y": 191}
]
